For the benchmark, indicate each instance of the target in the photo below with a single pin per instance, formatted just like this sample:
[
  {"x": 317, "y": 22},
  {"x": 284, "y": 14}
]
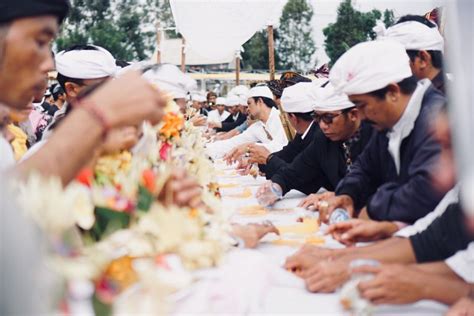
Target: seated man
[
  {"x": 391, "y": 176},
  {"x": 235, "y": 118},
  {"x": 219, "y": 114},
  {"x": 268, "y": 130},
  {"x": 297, "y": 102},
  {"x": 341, "y": 138},
  {"x": 441, "y": 235}
]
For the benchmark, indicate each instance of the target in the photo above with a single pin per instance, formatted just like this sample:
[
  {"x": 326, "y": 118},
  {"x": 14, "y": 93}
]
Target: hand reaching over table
[
  {"x": 252, "y": 233},
  {"x": 359, "y": 230},
  {"x": 182, "y": 190}
]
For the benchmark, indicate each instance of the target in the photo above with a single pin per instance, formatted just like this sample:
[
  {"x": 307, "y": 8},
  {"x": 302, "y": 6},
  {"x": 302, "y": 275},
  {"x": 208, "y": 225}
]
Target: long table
[{"x": 253, "y": 281}]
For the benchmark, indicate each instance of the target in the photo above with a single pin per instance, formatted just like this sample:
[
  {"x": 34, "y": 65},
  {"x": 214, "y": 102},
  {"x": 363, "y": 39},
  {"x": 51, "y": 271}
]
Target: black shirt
[
  {"x": 445, "y": 236},
  {"x": 284, "y": 157},
  {"x": 321, "y": 165}
]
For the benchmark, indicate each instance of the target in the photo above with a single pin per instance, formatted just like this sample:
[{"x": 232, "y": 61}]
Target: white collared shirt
[
  {"x": 421, "y": 224},
  {"x": 215, "y": 117},
  {"x": 462, "y": 263},
  {"x": 254, "y": 134},
  {"x": 307, "y": 130},
  {"x": 406, "y": 123}
]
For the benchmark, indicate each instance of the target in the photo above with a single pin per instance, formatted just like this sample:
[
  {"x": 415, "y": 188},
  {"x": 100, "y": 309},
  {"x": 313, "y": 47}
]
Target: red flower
[
  {"x": 85, "y": 176},
  {"x": 165, "y": 151},
  {"x": 148, "y": 179}
]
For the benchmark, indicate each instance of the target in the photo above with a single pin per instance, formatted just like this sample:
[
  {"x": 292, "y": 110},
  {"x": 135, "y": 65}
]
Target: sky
[{"x": 325, "y": 12}]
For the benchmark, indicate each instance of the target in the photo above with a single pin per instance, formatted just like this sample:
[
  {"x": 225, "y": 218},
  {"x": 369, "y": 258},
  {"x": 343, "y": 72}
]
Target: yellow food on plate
[
  {"x": 253, "y": 210},
  {"x": 313, "y": 240},
  {"x": 227, "y": 185},
  {"x": 308, "y": 226},
  {"x": 246, "y": 193}
]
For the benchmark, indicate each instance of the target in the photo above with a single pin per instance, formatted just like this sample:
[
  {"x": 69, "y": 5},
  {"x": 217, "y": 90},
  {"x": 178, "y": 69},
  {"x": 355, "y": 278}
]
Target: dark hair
[
  {"x": 122, "y": 63},
  {"x": 436, "y": 56},
  {"x": 407, "y": 86},
  {"x": 268, "y": 102},
  {"x": 56, "y": 92},
  {"x": 416, "y": 18},
  {"x": 63, "y": 79},
  {"x": 211, "y": 94},
  {"x": 304, "y": 116}
]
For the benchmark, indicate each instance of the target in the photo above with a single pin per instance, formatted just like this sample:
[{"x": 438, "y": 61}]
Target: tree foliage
[
  {"x": 120, "y": 26},
  {"x": 255, "y": 55},
  {"x": 295, "y": 44},
  {"x": 350, "y": 28}
]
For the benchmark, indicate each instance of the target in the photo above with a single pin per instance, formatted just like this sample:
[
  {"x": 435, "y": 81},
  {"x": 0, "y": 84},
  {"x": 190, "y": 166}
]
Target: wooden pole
[
  {"x": 271, "y": 52},
  {"x": 237, "y": 70},
  {"x": 183, "y": 55},
  {"x": 158, "y": 43}
]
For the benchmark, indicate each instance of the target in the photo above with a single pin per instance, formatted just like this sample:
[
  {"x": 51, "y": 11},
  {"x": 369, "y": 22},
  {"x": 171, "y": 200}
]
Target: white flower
[{"x": 83, "y": 208}]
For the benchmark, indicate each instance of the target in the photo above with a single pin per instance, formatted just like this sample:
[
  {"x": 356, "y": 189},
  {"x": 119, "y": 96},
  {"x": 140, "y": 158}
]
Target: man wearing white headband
[
  {"x": 235, "y": 118},
  {"x": 268, "y": 130},
  {"x": 198, "y": 101},
  {"x": 297, "y": 102},
  {"x": 337, "y": 144},
  {"x": 391, "y": 178},
  {"x": 171, "y": 79},
  {"x": 78, "y": 67},
  {"x": 424, "y": 45},
  {"x": 219, "y": 114}
]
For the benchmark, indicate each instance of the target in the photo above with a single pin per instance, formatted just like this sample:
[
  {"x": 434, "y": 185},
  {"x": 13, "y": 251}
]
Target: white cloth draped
[{"x": 223, "y": 26}]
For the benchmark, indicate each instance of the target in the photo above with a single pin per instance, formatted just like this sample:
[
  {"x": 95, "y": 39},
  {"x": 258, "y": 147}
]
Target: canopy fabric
[{"x": 216, "y": 28}]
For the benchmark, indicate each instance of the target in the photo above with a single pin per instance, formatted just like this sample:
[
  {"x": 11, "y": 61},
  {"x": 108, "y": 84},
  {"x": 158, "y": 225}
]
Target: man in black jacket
[
  {"x": 297, "y": 101},
  {"x": 340, "y": 139},
  {"x": 391, "y": 177},
  {"x": 235, "y": 118}
]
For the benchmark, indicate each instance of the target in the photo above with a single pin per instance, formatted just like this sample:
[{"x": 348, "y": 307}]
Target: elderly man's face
[{"x": 25, "y": 58}]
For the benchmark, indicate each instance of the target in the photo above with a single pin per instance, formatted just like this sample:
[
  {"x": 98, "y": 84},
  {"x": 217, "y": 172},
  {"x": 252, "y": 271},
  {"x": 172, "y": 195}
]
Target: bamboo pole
[
  {"x": 158, "y": 43},
  {"x": 271, "y": 52},
  {"x": 183, "y": 55},
  {"x": 237, "y": 70}
]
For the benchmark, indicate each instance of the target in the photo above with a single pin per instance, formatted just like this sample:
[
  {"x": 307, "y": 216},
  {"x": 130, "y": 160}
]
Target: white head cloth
[
  {"x": 240, "y": 91},
  {"x": 328, "y": 100},
  {"x": 86, "y": 64},
  {"x": 169, "y": 78},
  {"x": 298, "y": 98},
  {"x": 220, "y": 101},
  {"x": 370, "y": 66},
  {"x": 260, "y": 91},
  {"x": 198, "y": 97},
  {"x": 232, "y": 100},
  {"x": 415, "y": 36}
]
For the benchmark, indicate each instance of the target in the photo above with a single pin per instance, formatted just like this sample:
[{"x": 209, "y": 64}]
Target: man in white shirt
[
  {"x": 219, "y": 114},
  {"x": 268, "y": 130}
]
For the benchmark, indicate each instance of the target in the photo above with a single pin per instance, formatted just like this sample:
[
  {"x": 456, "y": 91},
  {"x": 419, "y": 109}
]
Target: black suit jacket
[{"x": 229, "y": 124}]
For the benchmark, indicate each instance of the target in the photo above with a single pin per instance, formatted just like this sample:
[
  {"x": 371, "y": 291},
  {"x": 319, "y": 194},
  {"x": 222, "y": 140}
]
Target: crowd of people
[{"x": 373, "y": 139}]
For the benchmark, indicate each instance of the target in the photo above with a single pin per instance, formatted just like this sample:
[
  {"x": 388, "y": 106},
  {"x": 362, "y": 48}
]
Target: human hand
[
  {"x": 268, "y": 193},
  {"x": 312, "y": 201},
  {"x": 235, "y": 154},
  {"x": 338, "y": 201},
  {"x": 326, "y": 276},
  {"x": 258, "y": 154},
  {"x": 359, "y": 230},
  {"x": 306, "y": 257},
  {"x": 128, "y": 100},
  {"x": 182, "y": 190},
  {"x": 463, "y": 307},
  {"x": 392, "y": 284},
  {"x": 252, "y": 233},
  {"x": 198, "y": 120},
  {"x": 120, "y": 139}
]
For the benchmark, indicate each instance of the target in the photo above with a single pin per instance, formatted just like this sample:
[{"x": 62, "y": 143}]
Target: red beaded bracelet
[{"x": 96, "y": 113}]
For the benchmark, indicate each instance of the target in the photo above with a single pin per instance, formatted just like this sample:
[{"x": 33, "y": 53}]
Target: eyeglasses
[{"x": 327, "y": 118}]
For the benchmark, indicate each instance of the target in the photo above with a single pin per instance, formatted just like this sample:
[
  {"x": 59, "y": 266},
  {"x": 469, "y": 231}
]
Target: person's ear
[
  {"x": 72, "y": 89},
  {"x": 425, "y": 59},
  {"x": 354, "y": 114},
  {"x": 393, "y": 93}
]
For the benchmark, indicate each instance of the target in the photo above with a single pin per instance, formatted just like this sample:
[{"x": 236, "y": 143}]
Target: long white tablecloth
[{"x": 253, "y": 281}]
